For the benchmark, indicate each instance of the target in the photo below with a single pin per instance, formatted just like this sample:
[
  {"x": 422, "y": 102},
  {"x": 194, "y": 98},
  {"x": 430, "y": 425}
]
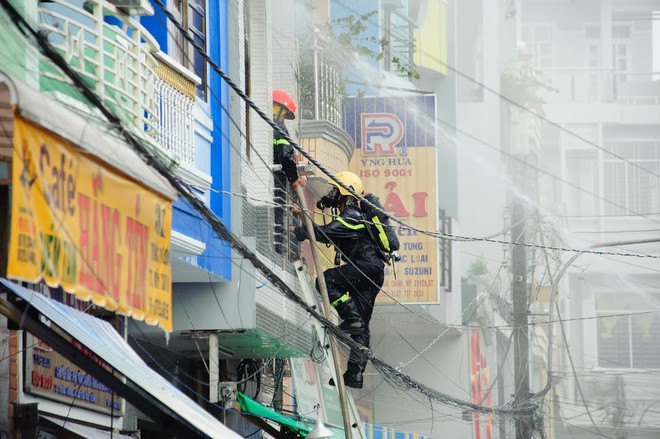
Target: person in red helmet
[{"x": 284, "y": 107}]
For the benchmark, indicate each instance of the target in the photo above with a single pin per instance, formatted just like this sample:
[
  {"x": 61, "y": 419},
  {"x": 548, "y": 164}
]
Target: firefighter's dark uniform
[
  {"x": 359, "y": 279},
  {"x": 282, "y": 155}
]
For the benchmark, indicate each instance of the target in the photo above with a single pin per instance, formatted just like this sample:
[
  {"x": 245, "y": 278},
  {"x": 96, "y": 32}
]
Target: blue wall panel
[
  {"x": 374, "y": 431},
  {"x": 156, "y": 26},
  {"x": 220, "y": 164},
  {"x": 185, "y": 219}
]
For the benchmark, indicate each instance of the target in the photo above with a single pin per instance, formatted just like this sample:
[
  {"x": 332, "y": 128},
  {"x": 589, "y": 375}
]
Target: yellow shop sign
[{"x": 81, "y": 226}]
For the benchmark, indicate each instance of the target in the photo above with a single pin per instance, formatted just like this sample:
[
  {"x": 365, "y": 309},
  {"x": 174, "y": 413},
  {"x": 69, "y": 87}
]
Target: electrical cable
[
  {"x": 568, "y": 351},
  {"x": 525, "y": 163},
  {"x": 429, "y": 362},
  {"x": 399, "y": 303},
  {"x": 394, "y": 376},
  {"x": 495, "y": 277},
  {"x": 225, "y": 110},
  {"x": 577, "y": 381},
  {"x": 174, "y": 377},
  {"x": 277, "y": 204},
  {"x": 89, "y": 267},
  {"x": 432, "y": 321},
  {"x": 245, "y": 371},
  {"x": 323, "y": 169},
  {"x": 513, "y": 102},
  {"x": 604, "y": 316},
  {"x": 543, "y": 171}
]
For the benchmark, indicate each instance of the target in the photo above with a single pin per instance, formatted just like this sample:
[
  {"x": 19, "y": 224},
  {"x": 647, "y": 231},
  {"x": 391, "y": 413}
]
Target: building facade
[
  {"x": 160, "y": 99},
  {"x": 604, "y": 141}
]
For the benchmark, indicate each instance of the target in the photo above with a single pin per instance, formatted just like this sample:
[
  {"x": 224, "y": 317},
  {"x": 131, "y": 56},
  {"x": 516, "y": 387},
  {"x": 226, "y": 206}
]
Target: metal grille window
[
  {"x": 632, "y": 184},
  {"x": 627, "y": 336}
]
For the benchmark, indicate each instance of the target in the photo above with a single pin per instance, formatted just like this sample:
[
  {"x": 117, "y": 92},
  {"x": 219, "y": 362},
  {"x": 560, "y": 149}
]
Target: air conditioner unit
[{"x": 134, "y": 7}]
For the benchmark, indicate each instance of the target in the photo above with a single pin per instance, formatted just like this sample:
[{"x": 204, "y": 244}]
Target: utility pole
[
  {"x": 520, "y": 317},
  {"x": 524, "y": 188},
  {"x": 619, "y": 411}
]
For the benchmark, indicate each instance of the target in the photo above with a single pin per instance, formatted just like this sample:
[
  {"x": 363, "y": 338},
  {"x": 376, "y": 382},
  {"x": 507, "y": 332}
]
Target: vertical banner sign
[
  {"x": 479, "y": 385},
  {"x": 396, "y": 159},
  {"x": 95, "y": 233}
]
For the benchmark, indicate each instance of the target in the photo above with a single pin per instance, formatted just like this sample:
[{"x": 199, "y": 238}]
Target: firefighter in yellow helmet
[
  {"x": 354, "y": 285},
  {"x": 284, "y": 108}
]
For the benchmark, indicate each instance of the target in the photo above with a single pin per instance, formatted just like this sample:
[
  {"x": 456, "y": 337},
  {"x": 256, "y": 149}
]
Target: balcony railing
[
  {"x": 175, "y": 102},
  {"x": 600, "y": 85},
  {"x": 399, "y": 33},
  {"x": 112, "y": 52},
  {"x": 122, "y": 62},
  {"x": 321, "y": 85}
]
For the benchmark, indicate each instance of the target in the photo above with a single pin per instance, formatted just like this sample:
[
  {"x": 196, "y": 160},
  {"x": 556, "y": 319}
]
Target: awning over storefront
[
  {"x": 144, "y": 388},
  {"x": 71, "y": 126},
  {"x": 85, "y": 431},
  {"x": 85, "y": 208}
]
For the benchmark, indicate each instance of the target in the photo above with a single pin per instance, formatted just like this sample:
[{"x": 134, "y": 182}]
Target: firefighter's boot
[
  {"x": 352, "y": 321},
  {"x": 353, "y": 377},
  {"x": 357, "y": 364}
]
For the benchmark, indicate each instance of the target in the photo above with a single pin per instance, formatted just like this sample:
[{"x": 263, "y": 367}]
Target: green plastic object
[{"x": 253, "y": 407}]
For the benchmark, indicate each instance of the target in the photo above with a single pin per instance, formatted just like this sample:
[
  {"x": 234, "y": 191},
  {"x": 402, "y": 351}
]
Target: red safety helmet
[{"x": 284, "y": 99}]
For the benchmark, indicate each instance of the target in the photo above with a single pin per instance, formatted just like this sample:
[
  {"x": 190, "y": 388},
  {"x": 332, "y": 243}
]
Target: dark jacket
[
  {"x": 283, "y": 155},
  {"x": 349, "y": 235}
]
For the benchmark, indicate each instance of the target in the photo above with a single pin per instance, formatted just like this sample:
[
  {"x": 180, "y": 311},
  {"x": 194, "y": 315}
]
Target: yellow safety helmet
[{"x": 349, "y": 179}]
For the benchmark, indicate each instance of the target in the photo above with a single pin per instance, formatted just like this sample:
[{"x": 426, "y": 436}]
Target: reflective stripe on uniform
[
  {"x": 280, "y": 142},
  {"x": 350, "y": 226},
  {"x": 381, "y": 233},
  {"x": 342, "y": 299}
]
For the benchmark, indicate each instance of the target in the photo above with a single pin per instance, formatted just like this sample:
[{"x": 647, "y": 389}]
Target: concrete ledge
[{"x": 328, "y": 131}]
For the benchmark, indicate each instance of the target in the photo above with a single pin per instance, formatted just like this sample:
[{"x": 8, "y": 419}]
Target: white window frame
[
  {"x": 181, "y": 50},
  {"x": 580, "y": 202},
  {"x": 618, "y": 43},
  {"x": 535, "y": 44},
  {"x": 621, "y": 313},
  {"x": 631, "y": 197},
  {"x": 593, "y": 64}
]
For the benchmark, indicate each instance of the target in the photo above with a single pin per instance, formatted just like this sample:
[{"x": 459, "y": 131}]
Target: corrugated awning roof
[
  {"x": 85, "y": 431},
  {"x": 100, "y": 338}
]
